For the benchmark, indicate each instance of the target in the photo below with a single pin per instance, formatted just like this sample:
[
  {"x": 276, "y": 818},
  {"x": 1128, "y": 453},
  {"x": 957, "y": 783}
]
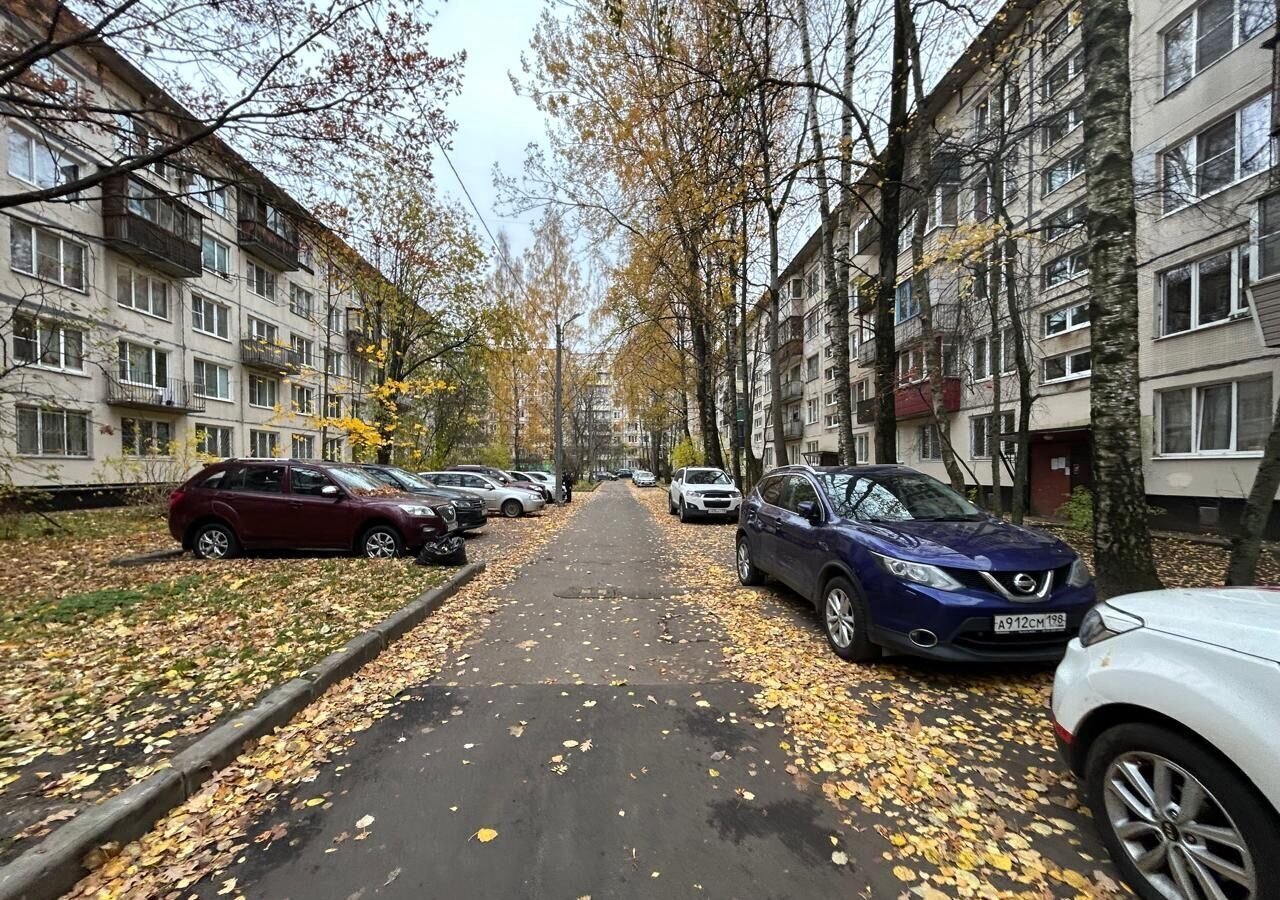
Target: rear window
[
  {"x": 212, "y": 481},
  {"x": 256, "y": 480}
]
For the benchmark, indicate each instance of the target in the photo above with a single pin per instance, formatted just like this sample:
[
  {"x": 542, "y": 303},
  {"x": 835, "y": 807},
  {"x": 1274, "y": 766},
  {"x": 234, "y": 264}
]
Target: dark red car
[{"x": 247, "y": 504}]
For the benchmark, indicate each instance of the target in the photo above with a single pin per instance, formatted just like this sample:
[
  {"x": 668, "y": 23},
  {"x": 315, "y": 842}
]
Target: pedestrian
[{"x": 568, "y": 488}]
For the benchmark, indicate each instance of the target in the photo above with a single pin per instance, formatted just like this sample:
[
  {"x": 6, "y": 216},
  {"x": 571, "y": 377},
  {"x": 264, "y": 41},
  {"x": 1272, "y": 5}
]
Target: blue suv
[{"x": 893, "y": 559}]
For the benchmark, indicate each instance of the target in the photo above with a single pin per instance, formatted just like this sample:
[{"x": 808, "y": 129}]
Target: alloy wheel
[
  {"x": 1175, "y": 832},
  {"x": 744, "y": 561},
  {"x": 380, "y": 545},
  {"x": 213, "y": 543},
  {"x": 841, "y": 625}
]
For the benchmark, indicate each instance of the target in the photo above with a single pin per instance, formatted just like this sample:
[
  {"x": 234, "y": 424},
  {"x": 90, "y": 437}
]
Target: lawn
[{"x": 110, "y": 670}]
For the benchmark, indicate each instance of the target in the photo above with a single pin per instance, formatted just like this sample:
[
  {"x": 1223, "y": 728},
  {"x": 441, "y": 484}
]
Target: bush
[
  {"x": 1078, "y": 510},
  {"x": 685, "y": 453}
]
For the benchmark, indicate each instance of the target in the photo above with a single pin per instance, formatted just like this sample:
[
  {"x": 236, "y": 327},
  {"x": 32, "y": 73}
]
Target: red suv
[{"x": 293, "y": 504}]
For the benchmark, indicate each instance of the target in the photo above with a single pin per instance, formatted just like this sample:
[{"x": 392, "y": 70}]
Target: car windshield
[
  {"x": 706, "y": 476},
  {"x": 357, "y": 481},
  {"x": 412, "y": 480},
  {"x": 895, "y": 498}
]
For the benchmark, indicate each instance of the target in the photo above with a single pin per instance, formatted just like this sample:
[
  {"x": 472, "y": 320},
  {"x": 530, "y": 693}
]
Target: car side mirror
[
  {"x": 329, "y": 490},
  {"x": 810, "y": 510}
]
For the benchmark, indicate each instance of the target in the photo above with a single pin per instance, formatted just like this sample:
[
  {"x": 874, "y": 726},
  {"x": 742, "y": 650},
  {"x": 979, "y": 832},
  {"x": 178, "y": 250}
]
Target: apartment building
[
  {"x": 1006, "y": 159},
  {"x": 187, "y": 310}
]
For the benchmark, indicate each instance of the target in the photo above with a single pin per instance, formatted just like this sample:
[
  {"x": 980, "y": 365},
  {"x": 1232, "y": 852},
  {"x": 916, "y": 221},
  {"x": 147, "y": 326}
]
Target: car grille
[
  {"x": 716, "y": 495},
  {"x": 972, "y": 579},
  {"x": 447, "y": 512}
]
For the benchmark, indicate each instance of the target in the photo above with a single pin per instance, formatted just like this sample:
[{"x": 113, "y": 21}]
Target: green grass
[
  {"x": 81, "y": 523},
  {"x": 92, "y": 605}
]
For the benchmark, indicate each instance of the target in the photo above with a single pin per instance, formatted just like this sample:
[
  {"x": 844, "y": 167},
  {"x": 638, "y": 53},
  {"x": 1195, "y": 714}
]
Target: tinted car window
[
  {"x": 382, "y": 477},
  {"x": 771, "y": 490},
  {"x": 473, "y": 481},
  {"x": 708, "y": 476},
  {"x": 796, "y": 490},
  {"x": 307, "y": 481},
  {"x": 896, "y": 497},
  {"x": 214, "y": 481},
  {"x": 257, "y": 480}
]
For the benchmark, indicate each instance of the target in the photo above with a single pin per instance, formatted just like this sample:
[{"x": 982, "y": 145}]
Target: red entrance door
[{"x": 1058, "y": 465}]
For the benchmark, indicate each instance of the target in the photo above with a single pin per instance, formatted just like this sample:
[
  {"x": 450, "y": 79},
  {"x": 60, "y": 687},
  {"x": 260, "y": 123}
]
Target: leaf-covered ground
[
  {"x": 953, "y": 766},
  {"x": 109, "y": 671}
]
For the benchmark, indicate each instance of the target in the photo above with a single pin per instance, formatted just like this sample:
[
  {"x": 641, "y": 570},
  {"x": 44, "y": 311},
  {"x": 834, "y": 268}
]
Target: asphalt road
[{"x": 593, "y": 727}]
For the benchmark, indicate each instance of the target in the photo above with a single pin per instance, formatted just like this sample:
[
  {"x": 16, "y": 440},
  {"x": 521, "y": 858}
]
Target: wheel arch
[
  {"x": 188, "y": 537},
  {"x": 374, "y": 522},
  {"x": 834, "y": 568}
]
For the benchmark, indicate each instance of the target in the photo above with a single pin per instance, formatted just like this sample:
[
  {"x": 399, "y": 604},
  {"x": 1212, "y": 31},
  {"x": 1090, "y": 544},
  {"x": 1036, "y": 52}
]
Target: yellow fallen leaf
[
  {"x": 902, "y": 873},
  {"x": 227, "y": 887},
  {"x": 714, "y": 773},
  {"x": 315, "y": 801},
  {"x": 485, "y": 835}
]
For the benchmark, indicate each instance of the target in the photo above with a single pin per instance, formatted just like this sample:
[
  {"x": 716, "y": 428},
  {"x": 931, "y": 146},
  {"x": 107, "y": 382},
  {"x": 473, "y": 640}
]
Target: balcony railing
[
  {"x": 150, "y": 227},
  {"x": 866, "y": 411},
  {"x": 263, "y": 355},
  {"x": 790, "y": 337},
  {"x": 277, "y": 250},
  {"x": 914, "y": 399},
  {"x": 792, "y": 390},
  {"x": 792, "y": 429},
  {"x": 867, "y": 352},
  {"x": 175, "y": 395}
]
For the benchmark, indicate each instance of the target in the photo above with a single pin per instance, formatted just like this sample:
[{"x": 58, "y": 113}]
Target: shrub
[
  {"x": 685, "y": 453},
  {"x": 1078, "y": 510}
]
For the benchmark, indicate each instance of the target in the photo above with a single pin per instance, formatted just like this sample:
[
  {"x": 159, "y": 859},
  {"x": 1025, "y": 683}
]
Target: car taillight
[{"x": 175, "y": 497}]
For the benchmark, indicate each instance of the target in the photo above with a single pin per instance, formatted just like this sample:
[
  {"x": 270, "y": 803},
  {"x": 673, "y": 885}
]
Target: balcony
[
  {"x": 792, "y": 430},
  {"x": 865, "y": 410},
  {"x": 267, "y": 233},
  {"x": 150, "y": 227},
  {"x": 945, "y": 319},
  {"x": 867, "y": 353},
  {"x": 359, "y": 334},
  {"x": 262, "y": 355},
  {"x": 913, "y": 399},
  {"x": 790, "y": 337},
  {"x": 792, "y": 390},
  {"x": 175, "y": 395}
]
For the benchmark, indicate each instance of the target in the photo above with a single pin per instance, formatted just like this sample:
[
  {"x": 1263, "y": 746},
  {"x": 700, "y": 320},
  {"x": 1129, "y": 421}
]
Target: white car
[
  {"x": 1168, "y": 707},
  {"x": 511, "y": 502},
  {"x": 701, "y": 491},
  {"x": 547, "y": 480},
  {"x": 643, "y": 478}
]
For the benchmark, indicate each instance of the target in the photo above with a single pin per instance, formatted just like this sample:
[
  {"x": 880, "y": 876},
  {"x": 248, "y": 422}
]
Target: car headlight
[
  {"x": 919, "y": 573},
  {"x": 1079, "y": 576},
  {"x": 1103, "y": 622},
  {"x": 424, "y": 512}
]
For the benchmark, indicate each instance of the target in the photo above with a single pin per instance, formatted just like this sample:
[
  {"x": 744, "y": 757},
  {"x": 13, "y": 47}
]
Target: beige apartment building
[
  {"x": 180, "y": 312},
  {"x": 1007, "y": 155}
]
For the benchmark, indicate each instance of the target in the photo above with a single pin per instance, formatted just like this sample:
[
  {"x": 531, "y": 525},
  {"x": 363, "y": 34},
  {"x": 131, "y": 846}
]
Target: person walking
[{"x": 568, "y": 487}]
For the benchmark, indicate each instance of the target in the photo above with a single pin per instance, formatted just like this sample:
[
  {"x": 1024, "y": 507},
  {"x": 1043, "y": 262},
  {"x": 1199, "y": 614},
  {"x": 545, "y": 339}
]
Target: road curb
[
  {"x": 142, "y": 559},
  {"x": 53, "y": 866}
]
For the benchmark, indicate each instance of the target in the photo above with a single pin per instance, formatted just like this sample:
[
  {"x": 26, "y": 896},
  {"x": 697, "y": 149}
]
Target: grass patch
[
  {"x": 80, "y": 523},
  {"x": 90, "y": 605}
]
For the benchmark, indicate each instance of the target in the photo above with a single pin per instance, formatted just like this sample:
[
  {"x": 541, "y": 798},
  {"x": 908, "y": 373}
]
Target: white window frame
[
  {"x": 1074, "y": 118},
  {"x": 1070, "y": 362},
  {"x": 223, "y": 438},
  {"x": 39, "y": 324},
  {"x": 124, "y": 364},
  {"x": 983, "y": 424},
  {"x": 1266, "y": 231},
  {"x": 40, "y": 413},
  {"x": 58, "y": 157},
  {"x": 272, "y": 439},
  {"x": 1195, "y": 390},
  {"x": 16, "y": 226},
  {"x": 1171, "y": 200},
  {"x": 145, "y": 433},
  {"x": 811, "y": 411},
  {"x": 259, "y": 383},
  {"x": 1077, "y": 267},
  {"x": 1068, "y": 314},
  {"x": 1075, "y": 167},
  {"x": 330, "y": 446},
  {"x": 264, "y": 331},
  {"x": 308, "y": 439},
  {"x": 1073, "y": 64},
  {"x": 301, "y": 309},
  {"x": 148, "y": 284},
  {"x": 221, "y": 314},
  {"x": 333, "y": 363},
  {"x": 1239, "y": 278},
  {"x": 1064, "y": 221},
  {"x": 220, "y": 249},
  {"x": 269, "y": 280},
  {"x": 302, "y": 392},
  {"x": 305, "y": 348},
  {"x": 222, "y": 376},
  {"x": 929, "y": 443},
  {"x": 1195, "y": 68}
]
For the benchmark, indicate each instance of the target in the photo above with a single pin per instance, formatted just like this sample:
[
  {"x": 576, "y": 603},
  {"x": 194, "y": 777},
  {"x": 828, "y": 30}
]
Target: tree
[{"x": 1122, "y": 542}]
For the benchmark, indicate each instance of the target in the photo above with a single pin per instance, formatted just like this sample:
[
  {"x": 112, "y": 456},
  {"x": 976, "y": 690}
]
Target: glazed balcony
[
  {"x": 267, "y": 233},
  {"x": 790, "y": 337},
  {"x": 150, "y": 227},
  {"x": 792, "y": 390}
]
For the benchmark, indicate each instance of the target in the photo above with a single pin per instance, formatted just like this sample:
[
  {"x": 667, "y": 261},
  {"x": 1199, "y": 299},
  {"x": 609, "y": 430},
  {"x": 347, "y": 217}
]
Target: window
[
  {"x": 209, "y": 317},
  {"x": 811, "y": 411},
  {"x": 1205, "y": 291},
  {"x": 1061, "y": 125},
  {"x": 213, "y": 195},
  {"x": 981, "y": 358},
  {"x": 1065, "y": 221},
  {"x": 831, "y": 420},
  {"x": 52, "y": 432},
  {"x": 862, "y": 447},
  {"x": 930, "y": 442},
  {"x": 982, "y": 115},
  {"x": 1006, "y": 349},
  {"x": 1268, "y": 236},
  {"x": 1065, "y": 366},
  {"x": 1233, "y": 148},
  {"x": 982, "y": 440},
  {"x": 812, "y": 368},
  {"x": 333, "y": 449},
  {"x": 37, "y": 163},
  {"x": 261, "y": 281},
  {"x": 264, "y": 444},
  {"x": 1062, "y": 172},
  {"x": 1209, "y": 32},
  {"x": 142, "y": 292},
  {"x": 1066, "y": 267},
  {"x": 212, "y": 380},
  {"x": 146, "y": 202},
  {"x": 263, "y": 331},
  {"x": 143, "y": 365},
  {"x": 904, "y": 305},
  {"x": 214, "y": 440},
  {"x": 46, "y": 255},
  {"x": 1068, "y": 318},
  {"x": 300, "y": 302},
  {"x": 333, "y": 319},
  {"x": 305, "y": 349},
  {"x": 145, "y": 437},
  {"x": 263, "y": 391},
  {"x": 303, "y": 446},
  {"x": 944, "y": 205},
  {"x": 1212, "y": 419},
  {"x": 1062, "y": 74},
  {"x": 332, "y": 362},
  {"x": 50, "y": 345},
  {"x": 303, "y": 399},
  {"x": 982, "y": 197},
  {"x": 1060, "y": 28},
  {"x": 333, "y": 405},
  {"x": 911, "y": 365},
  {"x": 215, "y": 256}
]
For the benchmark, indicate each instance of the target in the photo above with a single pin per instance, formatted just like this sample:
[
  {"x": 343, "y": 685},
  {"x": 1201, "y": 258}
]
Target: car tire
[
  {"x": 684, "y": 512},
  {"x": 748, "y": 574},
  {"x": 214, "y": 540},
  {"x": 845, "y": 621},
  {"x": 513, "y": 508},
  {"x": 381, "y": 542},
  {"x": 1131, "y": 752},
  {"x": 671, "y": 506}
]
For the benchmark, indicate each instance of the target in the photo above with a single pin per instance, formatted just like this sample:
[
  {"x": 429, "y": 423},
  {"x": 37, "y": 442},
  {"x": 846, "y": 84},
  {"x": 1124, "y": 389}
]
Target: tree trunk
[
  {"x": 775, "y": 333},
  {"x": 1246, "y": 543},
  {"x": 1122, "y": 543},
  {"x": 996, "y": 502},
  {"x": 1026, "y": 398},
  {"x": 748, "y": 382}
]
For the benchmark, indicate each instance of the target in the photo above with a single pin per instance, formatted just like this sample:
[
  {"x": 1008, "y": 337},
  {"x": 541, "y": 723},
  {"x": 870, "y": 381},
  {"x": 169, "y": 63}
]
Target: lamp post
[{"x": 559, "y": 403}]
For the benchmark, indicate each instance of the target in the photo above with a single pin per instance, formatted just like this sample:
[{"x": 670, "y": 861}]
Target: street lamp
[{"x": 559, "y": 403}]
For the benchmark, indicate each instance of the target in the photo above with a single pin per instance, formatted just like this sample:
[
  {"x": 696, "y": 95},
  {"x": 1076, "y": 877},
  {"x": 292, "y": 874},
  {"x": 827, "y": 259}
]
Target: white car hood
[{"x": 1243, "y": 619}]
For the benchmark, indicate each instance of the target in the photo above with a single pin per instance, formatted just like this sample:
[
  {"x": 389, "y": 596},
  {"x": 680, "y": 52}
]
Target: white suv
[
  {"x": 697, "y": 491},
  {"x": 1168, "y": 707}
]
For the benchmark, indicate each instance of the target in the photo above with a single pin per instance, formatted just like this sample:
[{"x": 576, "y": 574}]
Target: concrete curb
[
  {"x": 52, "y": 867},
  {"x": 143, "y": 559}
]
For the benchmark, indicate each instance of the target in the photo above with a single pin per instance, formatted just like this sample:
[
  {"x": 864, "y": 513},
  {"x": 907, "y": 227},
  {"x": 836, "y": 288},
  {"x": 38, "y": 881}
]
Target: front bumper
[
  {"x": 471, "y": 518},
  {"x": 713, "y": 506}
]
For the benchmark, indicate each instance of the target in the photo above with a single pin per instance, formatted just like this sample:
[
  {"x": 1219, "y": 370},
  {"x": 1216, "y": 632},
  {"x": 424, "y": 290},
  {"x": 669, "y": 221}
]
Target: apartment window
[
  {"x": 1209, "y": 32},
  {"x": 332, "y": 362},
  {"x": 215, "y": 255},
  {"x": 929, "y": 442},
  {"x": 264, "y": 444},
  {"x": 1268, "y": 236},
  {"x": 213, "y": 195},
  {"x": 333, "y": 406},
  {"x": 905, "y": 306},
  {"x": 831, "y": 420},
  {"x": 812, "y": 368},
  {"x": 1061, "y": 125},
  {"x": 143, "y": 365},
  {"x": 911, "y": 365},
  {"x": 982, "y": 441},
  {"x": 1062, "y": 74},
  {"x": 811, "y": 411},
  {"x": 263, "y": 391},
  {"x": 1006, "y": 350},
  {"x": 46, "y": 255},
  {"x": 147, "y": 203},
  {"x": 982, "y": 115},
  {"x": 1063, "y": 172},
  {"x": 1215, "y": 419},
  {"x": 1061, "y": 28},
  {"x": 306, "y": 349},
  {"x": 261, "y": 281},
  {"x": 1068, "y": 318},
  {"x": 303, "y": 446},
  {"x": 52, "y": 432},
  {"x": 944, "y": 205},
  {"x": 212, "y": 380},
  {"x": 142, "y": 292},
  {"x": 1065, "y": 366},
  {"x": 1232, "y": 148},
  {"x": 1065, "y": 221},
  {"x": 214, "y": 440},
  {"x": 982, "y": 198},
  {"x": 815, "y": 281},
  {"x": 1205, "y": 291},
  {"x": 862, "y": 447},
  {"x": 303, "y": 399},
  {"x": 333, "y": 451},
  {"x": 950, "y": 365},
  {"x": 50, "y": 345},
  {"x": 35, "y": 162},
  {"x": 145, "y": 437},
  {"x": 209, "y": 317},
  {"x": 1066, "y": 267},
  {"x": 263, "y": 331},
  {"x": 301, "y": 302},
  {"x": 333, "y": 319}
]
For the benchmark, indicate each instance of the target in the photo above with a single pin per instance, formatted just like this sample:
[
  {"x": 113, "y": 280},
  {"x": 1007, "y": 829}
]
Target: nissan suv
[{"x": 252, "y": 504}]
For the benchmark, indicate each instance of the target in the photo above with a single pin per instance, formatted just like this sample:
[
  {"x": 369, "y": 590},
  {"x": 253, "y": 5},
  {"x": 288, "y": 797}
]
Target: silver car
[{"x": 509, "y": 501}]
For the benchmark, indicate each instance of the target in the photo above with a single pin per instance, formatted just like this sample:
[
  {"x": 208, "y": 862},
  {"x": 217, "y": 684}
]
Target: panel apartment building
[
  {"x": 1008, "y": 156},
  {"x": 189, "y": 304}
]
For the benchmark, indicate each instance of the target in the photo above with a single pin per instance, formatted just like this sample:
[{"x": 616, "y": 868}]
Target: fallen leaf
[{"x": 485, "y": 835}]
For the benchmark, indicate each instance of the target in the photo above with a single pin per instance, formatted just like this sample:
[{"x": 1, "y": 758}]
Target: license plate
[{"x": 1031, "y": 622}]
